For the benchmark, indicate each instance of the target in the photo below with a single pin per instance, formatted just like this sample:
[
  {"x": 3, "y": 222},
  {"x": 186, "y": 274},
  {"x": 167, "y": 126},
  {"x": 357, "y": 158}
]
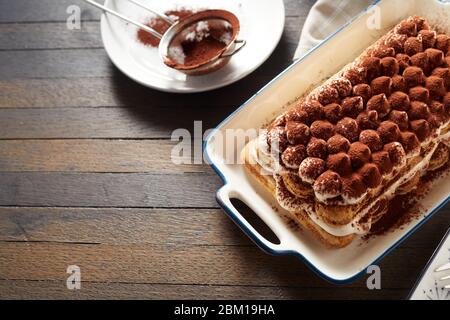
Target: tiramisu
[{"x": 339, "y": 155}]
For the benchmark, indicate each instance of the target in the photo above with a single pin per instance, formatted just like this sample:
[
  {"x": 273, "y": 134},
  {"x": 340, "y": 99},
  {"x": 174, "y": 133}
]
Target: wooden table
[{"x": 86, "y": 178}]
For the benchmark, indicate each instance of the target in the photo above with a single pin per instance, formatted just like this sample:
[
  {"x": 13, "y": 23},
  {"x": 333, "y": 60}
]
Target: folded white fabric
[{"x": 325, "y": 17}]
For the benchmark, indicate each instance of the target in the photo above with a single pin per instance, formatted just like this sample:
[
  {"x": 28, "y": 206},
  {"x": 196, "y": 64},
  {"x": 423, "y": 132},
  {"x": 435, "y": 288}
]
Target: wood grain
[
  {"x": 56, "y": 35},
  {"x": 155, "y": 156},
  {"x": 178, "y": 264},
  {"x": 31, "y": 64},
  {"x": 151, "y": 226},
  {"x": 86, "y": 63},
  {"x": 31, "y": 73},
  {"x": 55, "y": 10},
  {"x": 152, "y": 122},
  {"x": 52, "y": 35},
  {"x": 118, "y": 91},
  {"x": 43, "y": 10},
  {"x": 109, "y": 190},
  {"x": 19, "y": 289},
  {"x": 93, "y": 61},
  {"x": 120, "y": 226}
]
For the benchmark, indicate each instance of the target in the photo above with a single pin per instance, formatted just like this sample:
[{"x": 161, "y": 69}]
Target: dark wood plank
[
  {"x": 299, "y": 8},
  {"x": 98, "y": 156},
  {"x": 119, "y": 91},
  {"x": 55, "y": 64},
  {"x": 43, "y": 10},
  {"x": 24, "y": 81},
  {"x": 151, "y": 226},
  {"x": 186, "y": 264},
  {"x": 39, "y": 64},
  {"x": 109, "y": 190},
  {"x": 55, "y": 10},
  {"x": 144, "y": 122},
  {"x": 23, "y": 289},
  {"x": 103, "y": 85},
  {"x": 120, "y": 226},
  {"x": 55, "y": 35},
  {"x": 89, "y": 92}
]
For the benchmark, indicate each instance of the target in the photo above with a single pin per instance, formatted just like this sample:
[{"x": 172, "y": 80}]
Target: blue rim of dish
[
  {"x": 425, "y": 269},
  {"x": 255, "y": 237}
]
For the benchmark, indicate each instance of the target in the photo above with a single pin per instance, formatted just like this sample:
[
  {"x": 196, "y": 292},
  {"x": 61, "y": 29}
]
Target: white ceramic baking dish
[{"x": 343, "y": 265}]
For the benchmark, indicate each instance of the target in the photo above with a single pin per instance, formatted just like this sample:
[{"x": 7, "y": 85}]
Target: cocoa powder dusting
[
  {"x": 160, "y": 26},
  {"x": 197, "y": 52},
  {"x": 292, "y": 224},
  {"x": 433, "y": 175},
  {"x": 403, "y": 209}
]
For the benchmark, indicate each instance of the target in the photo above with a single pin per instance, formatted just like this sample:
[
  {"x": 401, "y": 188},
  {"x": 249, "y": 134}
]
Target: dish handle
[{"x": 224, "y": 196}]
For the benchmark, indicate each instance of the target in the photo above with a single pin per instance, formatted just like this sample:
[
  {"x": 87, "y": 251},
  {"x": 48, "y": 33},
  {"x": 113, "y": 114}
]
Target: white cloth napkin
[{"x": 325, "y": 17}]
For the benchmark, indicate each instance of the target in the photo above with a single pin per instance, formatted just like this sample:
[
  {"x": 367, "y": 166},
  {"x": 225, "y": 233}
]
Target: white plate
[
  {"x": 343, "y": 265},
  {"x": 429, "y": 286},
  {"x": 262, "y": 24}
]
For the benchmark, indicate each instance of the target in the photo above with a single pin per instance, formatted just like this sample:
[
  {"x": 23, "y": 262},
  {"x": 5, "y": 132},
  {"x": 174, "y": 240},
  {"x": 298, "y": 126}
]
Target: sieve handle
[{"x": 239, "y": 45}]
